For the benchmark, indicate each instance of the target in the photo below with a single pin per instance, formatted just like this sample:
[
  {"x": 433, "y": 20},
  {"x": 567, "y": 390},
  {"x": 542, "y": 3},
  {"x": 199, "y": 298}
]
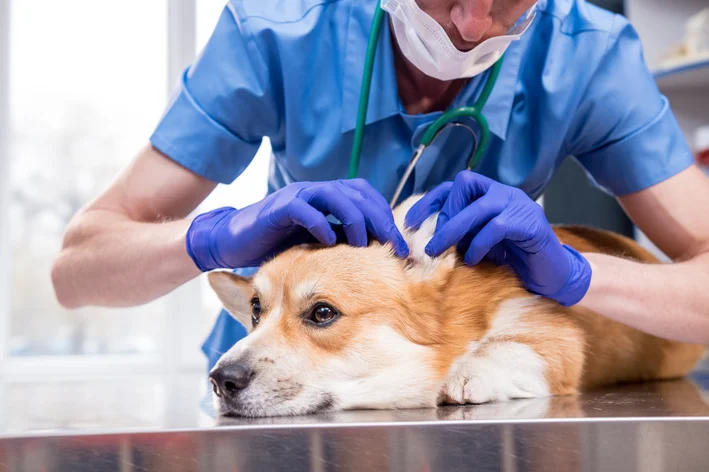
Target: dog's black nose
[{"x": 228, "y": 380}]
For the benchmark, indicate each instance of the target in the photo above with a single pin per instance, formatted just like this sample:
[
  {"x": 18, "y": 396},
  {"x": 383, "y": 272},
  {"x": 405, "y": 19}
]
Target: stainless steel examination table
[{"x": 649, "y": 427}]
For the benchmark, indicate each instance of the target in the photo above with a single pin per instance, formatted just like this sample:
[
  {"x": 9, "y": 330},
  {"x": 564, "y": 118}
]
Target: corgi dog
[{"x": 341, "y": 328}]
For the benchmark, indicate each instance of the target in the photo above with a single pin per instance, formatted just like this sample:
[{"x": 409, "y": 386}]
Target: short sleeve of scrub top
[
  {"x": 222, "y": 108},
  {"x": 624, "y": 132}
]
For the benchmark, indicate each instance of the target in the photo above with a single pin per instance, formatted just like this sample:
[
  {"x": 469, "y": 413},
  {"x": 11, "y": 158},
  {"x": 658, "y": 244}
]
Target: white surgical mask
[{"x": 426, "y": 44}]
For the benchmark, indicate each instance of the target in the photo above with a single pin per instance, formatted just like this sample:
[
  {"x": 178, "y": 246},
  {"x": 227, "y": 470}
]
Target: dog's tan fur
[{"x": 447, "y": 307}]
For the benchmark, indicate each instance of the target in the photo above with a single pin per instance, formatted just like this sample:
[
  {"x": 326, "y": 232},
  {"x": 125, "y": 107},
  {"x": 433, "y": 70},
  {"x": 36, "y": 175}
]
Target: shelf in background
[{"x": 689, "y": 76}]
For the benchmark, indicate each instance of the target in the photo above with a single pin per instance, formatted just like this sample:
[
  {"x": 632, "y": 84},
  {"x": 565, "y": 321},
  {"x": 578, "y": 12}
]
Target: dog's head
[{"x": 332, "y": 328}]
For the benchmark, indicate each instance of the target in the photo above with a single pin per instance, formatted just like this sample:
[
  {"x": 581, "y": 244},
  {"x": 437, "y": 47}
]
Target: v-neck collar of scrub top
[{"x": 384, "y": 100}]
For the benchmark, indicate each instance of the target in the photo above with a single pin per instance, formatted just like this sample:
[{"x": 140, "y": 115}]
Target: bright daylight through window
[{"x": 79, "y": 111}]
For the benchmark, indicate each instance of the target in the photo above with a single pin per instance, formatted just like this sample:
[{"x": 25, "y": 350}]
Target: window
[
  {"x": 87, "y": 85},
  {"x": 84, "y": 95}
]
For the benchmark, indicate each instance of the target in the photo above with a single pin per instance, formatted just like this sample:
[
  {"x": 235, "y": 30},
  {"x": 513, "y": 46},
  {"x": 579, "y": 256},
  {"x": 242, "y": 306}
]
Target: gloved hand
[
  {"x": 295, "y": 214},
  {"x": 486, "y": 218}
]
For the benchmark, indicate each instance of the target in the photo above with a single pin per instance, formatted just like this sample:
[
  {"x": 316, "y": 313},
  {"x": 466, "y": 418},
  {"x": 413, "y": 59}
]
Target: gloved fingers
[
  {"x": 385, "y": 231},
  {"x": 467, "y": 188},
  {"x": 302, "y": 214},
  {"x": 365, "y": 190},
  {"x": 492, "y": 234},
  {"x": 498, "y": 254},
  {"x": 532, "y": 230},
  {"x": 303, "y": 236},
  {"x": 339, "y": 232},
  {"x": 428, "y": 205},
  {"x": 378, "y": 216},
  {"x": 464, "y": 243},
  {"x": 469, "y": 220},
  {"x": 330, "y": 200}
]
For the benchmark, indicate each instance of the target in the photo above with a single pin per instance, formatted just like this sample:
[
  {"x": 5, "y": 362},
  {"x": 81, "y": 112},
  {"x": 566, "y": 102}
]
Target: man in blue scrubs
[{"x": 574, "y": 85}]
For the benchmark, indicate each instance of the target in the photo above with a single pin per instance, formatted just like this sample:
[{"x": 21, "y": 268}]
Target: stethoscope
[{"x": 449, "y": 118}]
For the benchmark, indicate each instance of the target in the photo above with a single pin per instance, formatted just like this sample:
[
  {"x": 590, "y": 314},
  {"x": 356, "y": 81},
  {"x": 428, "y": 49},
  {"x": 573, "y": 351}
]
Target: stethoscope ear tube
[
  {"x": 364, "y": 92},
  {"x": 407, "y": 174}
]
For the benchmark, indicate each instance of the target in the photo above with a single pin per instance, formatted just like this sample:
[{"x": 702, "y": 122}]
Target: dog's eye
[
  {"x": 322, "y": 314},
  {"x": 255, "y": 311}
]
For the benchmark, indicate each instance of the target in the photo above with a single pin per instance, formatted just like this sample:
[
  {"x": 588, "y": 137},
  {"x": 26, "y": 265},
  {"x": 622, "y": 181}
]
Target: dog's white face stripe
[
  {"x": 272, "y": 319},
  {"x": 263, "y": 286},
  {"x": 306, "y": 289}
]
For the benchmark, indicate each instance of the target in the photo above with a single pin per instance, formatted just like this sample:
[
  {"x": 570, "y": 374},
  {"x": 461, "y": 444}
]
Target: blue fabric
[{"x": 575, "y": 85}]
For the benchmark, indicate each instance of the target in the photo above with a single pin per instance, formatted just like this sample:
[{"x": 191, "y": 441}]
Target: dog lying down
[{"x": 358, "y": 328}]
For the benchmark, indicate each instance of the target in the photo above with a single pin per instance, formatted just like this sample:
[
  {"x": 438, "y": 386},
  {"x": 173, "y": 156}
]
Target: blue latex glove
[
  {"x": 295, "y": 214},
  {"x": 486, "y": 218}
]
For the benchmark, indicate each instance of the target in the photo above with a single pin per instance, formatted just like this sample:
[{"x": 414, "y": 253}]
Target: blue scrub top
[{"x": 576, "y": 85}]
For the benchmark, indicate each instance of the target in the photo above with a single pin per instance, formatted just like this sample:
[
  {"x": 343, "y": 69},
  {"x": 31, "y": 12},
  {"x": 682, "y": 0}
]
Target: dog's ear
[{"x": 234, "y": 291}]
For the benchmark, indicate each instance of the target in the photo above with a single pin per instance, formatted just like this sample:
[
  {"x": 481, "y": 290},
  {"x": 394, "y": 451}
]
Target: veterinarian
[{"x": 574, "y": 84}]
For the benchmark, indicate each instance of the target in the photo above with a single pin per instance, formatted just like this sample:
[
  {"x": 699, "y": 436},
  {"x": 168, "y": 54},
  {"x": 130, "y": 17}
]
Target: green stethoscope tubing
[
  {"x": 448, "y": 118},
  {"x": 364, "y": 92}
]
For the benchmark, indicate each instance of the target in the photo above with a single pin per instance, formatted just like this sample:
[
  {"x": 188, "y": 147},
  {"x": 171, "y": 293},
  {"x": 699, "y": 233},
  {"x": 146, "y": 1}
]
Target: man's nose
[
  {"x": 471, "y": 22},
  {"x": 228, "y": 380}
]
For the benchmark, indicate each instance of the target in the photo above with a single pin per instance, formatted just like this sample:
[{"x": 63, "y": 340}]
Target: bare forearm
[
  {"x": 109, "y": 260},
  {"x": 667, "y": 300}
]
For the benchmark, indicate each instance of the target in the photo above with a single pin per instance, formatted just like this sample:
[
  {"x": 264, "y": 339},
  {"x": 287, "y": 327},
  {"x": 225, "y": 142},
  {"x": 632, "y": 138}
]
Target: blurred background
[
  {"x": 82, "y": 86},
  {"x": 88, "y": 82}
]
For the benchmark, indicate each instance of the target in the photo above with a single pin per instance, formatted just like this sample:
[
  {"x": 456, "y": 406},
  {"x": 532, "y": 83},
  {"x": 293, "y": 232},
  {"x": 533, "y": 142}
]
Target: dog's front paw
[
  {"x": 468, "y": 388},
  {"x": 499, "y": 372}
]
